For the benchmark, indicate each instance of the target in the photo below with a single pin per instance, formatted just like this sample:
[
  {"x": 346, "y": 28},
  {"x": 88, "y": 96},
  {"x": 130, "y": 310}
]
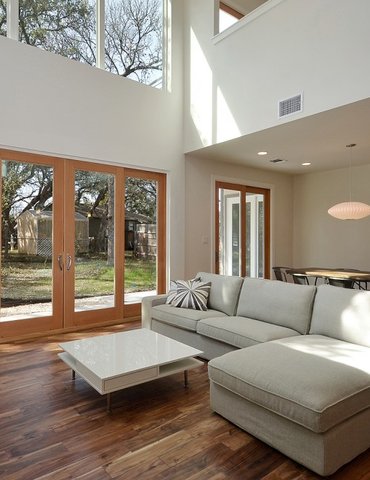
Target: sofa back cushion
[
  {"x": 280, "y": 303},
  {"x": 224, "y": 292},
  {"x": 342, "y": 313}
]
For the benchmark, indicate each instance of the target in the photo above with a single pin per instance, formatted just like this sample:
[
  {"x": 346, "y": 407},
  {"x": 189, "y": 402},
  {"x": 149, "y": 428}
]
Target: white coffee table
[{"x": 114, "y": 362}]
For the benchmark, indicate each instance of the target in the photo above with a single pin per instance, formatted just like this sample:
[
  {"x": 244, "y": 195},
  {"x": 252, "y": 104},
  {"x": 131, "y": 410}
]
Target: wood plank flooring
[{"x": 54, "y": 429}]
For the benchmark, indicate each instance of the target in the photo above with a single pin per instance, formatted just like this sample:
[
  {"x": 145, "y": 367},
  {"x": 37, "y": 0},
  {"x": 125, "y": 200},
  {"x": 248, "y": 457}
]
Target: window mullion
[
  {"x": 100, "y": 34},
  {"x": 166, "y": 44},
  {"x": 13, "y": 19}
]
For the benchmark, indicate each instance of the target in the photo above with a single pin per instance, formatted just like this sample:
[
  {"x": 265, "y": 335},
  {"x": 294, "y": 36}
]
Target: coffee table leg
[
  {"x": 109, "y": 404},
  {"x": 186, "y": 381}
]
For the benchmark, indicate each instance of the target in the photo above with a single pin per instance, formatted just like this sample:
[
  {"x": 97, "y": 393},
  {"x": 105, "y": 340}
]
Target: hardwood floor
[{"x": 53, "y": 428}]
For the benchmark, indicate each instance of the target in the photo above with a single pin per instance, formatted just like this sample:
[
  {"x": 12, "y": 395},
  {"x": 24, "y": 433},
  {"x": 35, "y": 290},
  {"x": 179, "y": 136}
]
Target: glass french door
[
  {"x": 145, "y": 242},
  {"x": 242, "y": 230},
  {"x": 82, "y": 243},
  {"x": 31, "y": 241},
  {"x": 92, "y": 253}
]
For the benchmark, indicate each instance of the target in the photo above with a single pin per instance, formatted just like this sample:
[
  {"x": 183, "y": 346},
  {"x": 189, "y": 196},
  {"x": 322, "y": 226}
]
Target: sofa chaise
[{"x": 289, "y": 364}]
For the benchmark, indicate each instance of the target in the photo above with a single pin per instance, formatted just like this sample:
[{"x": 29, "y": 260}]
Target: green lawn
[{"x": 28, "y": 279}]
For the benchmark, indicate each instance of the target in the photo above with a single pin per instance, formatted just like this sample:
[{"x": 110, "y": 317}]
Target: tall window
[
  {"x": 128, "y": 34},
  {"x": 64, "y": 27},
  {"x": 3, "y": 17},
  {"x": 133, "y": 39}
]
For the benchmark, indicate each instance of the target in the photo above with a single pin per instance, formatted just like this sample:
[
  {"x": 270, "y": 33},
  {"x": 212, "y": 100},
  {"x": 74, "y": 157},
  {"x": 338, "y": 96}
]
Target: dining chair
[
  {"x": 300, "y": 279},
  {"x": 280, "y": 273},
  {"x": 341, "y": 282}
]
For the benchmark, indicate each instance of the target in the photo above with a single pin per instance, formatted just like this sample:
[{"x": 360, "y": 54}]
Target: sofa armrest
[{"x": 146, "y": 308}]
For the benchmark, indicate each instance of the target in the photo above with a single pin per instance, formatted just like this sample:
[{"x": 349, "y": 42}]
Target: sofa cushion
[
  {"x": 224, "y": 292},
  {"x": 342, "y": 313},
  {"x": 281, "y": 303},
  {"x": 241, "y": 331},
  {"x": 182, "y": 317},
  {"x": 312, "y": 380}
]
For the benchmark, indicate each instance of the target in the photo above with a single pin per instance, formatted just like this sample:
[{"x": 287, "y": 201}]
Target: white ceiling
[{"x": 320, "y": 139}]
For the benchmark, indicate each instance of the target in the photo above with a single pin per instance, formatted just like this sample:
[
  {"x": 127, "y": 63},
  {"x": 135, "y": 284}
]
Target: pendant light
[{"x": 350, "y": 210}]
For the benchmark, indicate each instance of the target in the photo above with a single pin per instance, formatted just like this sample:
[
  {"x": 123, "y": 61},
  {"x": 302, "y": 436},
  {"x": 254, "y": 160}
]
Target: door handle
[
  {"x": 69, "y": 262},
  {"x": 60, "y": 262}
]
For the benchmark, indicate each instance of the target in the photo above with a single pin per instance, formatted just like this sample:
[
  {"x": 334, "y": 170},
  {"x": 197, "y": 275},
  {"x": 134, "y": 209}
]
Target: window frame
[
  {"x": 12, "y": 31},
  {"x": 230, "y": 10},
  {"x": 243, "y": 189}
]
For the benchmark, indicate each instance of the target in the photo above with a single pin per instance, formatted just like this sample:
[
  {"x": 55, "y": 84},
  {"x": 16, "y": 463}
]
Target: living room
[{"x": 218, "y": 109}]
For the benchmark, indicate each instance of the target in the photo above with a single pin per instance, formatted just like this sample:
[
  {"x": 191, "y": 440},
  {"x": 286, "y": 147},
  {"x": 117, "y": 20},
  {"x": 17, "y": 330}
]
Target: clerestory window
[
  {"x": 124, "y": 37},
  {"x": 3, "y": 17}
]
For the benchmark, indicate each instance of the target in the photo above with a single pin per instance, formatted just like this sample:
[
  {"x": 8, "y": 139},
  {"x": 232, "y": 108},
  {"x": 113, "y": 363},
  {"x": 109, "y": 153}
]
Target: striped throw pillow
[
  {"x": 191, "y": 294},
  {"x": 172, "y": 292}
]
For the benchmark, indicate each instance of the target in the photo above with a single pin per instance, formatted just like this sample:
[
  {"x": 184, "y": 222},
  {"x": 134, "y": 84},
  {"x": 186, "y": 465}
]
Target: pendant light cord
[{"x": 350, "y": 146}]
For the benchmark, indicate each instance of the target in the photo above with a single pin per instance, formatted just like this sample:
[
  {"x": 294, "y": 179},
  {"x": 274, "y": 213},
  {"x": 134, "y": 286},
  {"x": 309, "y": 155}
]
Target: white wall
[
  {"x": 50, "y": 104},
  {"x": 321, "y": 240},
  {"x": 233, "y": 85},
  {"x": 200, "y": 179}
]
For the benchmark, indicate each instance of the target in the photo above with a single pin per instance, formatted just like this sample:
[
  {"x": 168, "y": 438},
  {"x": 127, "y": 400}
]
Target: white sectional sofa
[
  {"x": 289, "y": 363},
  {"x": 241, "y": 312}
]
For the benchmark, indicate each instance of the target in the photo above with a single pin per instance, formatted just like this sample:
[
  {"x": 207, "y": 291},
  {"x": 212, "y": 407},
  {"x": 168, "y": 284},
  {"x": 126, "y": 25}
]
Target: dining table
[{"x": 326, "y": 273}]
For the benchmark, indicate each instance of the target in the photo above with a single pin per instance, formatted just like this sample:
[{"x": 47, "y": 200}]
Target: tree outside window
[
  {"x": 133, "y": 39},
  {"x": 133, "y": 33},
  {"x": 3, "y": 17}
]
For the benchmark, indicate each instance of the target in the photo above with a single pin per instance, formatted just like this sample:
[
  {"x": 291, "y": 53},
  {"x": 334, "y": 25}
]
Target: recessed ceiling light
[
  {"x": 262, "y": 153},
  {"x": 306, "y": 164}
]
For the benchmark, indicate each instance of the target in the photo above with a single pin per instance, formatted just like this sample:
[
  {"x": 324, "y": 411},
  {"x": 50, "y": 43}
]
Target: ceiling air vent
[
  {"x": 290, "y": 105},
  {"x": 277, "y": 160}
]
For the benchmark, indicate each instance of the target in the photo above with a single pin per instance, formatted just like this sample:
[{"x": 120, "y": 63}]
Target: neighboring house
[
  {"x": 34, "y": 233},
  {"x": 140, "y": 235}
]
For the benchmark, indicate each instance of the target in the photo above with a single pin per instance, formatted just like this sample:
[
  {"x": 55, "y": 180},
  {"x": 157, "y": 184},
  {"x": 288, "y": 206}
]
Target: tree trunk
[
  {"x": 110, "y": 224},
  {"x": 6, "y": 232}
]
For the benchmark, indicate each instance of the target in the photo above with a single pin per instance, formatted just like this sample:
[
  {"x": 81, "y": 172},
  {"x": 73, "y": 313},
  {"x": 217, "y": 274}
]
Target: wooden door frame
[
  {"x": 30, "y": 326},
  {"x": 63, "y": 317},
  {"x": 88, "y": 317},
  {"x": 243, "y": 190},
  {"x": 131, "y": 310}
]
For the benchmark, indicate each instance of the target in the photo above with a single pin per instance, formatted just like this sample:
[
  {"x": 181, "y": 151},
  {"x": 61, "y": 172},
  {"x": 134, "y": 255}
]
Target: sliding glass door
[
  {"x": 242, "y": 230},
  {"x": 145, "y": 242},
  {"x": 92, "y": 245},
  {"x": 31, "y": 244},
  {"x": 82, "y": 243}
]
